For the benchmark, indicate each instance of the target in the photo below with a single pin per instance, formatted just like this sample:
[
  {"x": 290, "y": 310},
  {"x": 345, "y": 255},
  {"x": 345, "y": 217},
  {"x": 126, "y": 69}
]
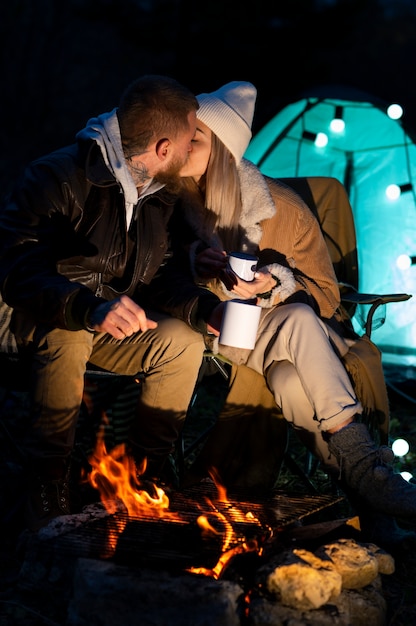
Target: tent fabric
[{"x": 371, "y": 153}]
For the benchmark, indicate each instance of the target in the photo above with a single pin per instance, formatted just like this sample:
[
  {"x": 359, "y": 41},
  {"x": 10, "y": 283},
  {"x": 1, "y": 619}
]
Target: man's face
[
  {"x": 180, "y": 148},
  {"x": 170, "y": 176}
]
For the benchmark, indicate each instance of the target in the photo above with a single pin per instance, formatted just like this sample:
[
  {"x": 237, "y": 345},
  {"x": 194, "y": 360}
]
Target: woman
[{"x": 230, "y": 206}]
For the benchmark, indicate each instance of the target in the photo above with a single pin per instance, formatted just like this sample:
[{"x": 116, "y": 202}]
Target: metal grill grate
[{"x": 177, "y": 542}]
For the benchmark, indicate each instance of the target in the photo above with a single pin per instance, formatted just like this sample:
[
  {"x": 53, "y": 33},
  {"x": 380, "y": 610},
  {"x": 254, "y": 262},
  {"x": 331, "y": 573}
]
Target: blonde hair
[{"x": 219, "y": 192}]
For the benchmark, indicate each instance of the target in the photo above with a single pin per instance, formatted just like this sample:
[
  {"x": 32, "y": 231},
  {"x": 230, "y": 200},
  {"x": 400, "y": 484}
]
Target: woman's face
[{"x": 198, "y": 157}]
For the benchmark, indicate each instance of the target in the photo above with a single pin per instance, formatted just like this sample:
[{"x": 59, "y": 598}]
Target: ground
[{"x": 399, "y": 588}]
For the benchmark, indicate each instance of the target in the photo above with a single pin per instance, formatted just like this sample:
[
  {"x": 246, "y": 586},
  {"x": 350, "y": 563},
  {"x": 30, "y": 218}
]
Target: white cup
[
  {"x": 243, "y": 264},
  {"x": 239, "y": 324}
]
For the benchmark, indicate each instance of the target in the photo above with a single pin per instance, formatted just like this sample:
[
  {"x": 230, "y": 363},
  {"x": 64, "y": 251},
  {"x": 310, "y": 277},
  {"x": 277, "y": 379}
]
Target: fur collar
[{"x": 257, "y": 204}]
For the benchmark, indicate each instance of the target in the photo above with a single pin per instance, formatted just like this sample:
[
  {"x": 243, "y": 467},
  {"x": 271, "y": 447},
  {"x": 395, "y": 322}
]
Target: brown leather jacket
[{"x": 64, "y": 244}]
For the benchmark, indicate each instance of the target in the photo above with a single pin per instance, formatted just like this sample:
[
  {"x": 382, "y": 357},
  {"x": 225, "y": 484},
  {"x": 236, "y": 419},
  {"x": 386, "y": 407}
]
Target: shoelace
[{"x": 46, "y": 495}]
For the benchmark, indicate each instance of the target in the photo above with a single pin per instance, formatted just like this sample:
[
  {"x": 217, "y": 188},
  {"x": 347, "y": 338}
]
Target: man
[{"x": 82, "y": 235}]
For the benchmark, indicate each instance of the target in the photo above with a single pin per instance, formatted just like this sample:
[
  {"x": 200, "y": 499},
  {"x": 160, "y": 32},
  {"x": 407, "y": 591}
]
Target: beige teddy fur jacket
[
  {"x": 247, "y": 444},
  {"x": 279, "y": 228}
]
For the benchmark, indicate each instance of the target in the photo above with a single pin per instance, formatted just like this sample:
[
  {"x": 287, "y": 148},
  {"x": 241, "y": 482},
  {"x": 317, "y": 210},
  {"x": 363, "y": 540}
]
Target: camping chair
[
  {"x": 249, "y": 468},
  {"x": 321, "y": 193}
]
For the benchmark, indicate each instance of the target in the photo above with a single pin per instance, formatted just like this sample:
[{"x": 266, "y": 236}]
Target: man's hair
[{"x": 151, "y": 108}]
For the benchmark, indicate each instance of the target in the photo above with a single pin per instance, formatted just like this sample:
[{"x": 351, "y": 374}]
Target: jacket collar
[
  {"x": 257, "y": 204},
  {"x": 96, "y": 170}
]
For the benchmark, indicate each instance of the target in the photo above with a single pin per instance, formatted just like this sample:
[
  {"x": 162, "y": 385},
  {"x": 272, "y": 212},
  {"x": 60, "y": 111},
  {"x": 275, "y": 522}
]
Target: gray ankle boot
[{"x": 366, "y": 469}]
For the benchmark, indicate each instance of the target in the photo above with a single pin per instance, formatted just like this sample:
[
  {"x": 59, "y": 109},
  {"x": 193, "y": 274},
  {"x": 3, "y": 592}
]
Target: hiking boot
[
  {"x": 366, "y": 469},
  {"x": 46, "y": 501}
]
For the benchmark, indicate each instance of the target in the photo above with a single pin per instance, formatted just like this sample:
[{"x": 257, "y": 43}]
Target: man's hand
[{"x": 120, "y": 318}]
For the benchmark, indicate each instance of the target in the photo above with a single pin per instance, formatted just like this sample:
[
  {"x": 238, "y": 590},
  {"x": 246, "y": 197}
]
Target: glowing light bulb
[
  {"x": 321, "y": 140},
  {"x": 395, "y": 111},
  {"x": 337, "y": 126},
  {"x": 406, "y": 475},
  {"x": 400, "y": 447},
  {"x": 403, "y": 262},
  {"x": 393, "y": 192}
]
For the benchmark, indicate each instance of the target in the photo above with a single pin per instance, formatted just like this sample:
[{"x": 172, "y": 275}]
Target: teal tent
[{"x": 374, "y": 156}]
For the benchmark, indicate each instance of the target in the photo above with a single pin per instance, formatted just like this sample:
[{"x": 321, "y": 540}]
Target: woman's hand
[
  {"x": 262, "y": 283},
  {"x": 210, "y": 263}
]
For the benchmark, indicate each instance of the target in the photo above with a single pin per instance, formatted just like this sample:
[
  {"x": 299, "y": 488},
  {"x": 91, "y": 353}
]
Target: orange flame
[
  {"x": 117, "y": 480},
  {"x": 215, "y": 572},
  {"x": 229, "y": 534},
  {"x": 113, "y": 474}
]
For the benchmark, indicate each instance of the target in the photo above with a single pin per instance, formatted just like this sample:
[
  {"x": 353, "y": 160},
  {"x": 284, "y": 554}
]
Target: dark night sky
[{"x": 65, "y": 62}]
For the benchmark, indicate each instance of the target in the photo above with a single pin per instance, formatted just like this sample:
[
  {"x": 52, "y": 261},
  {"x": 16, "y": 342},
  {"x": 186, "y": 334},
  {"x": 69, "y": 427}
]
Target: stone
[
  {"x": 356, "y": 564},
  {"x": 105, "y": 594},
  {"x": 386, "y": 563},
  {"x": 358, "y": 607},
  {"x": 307, "y": 583}
]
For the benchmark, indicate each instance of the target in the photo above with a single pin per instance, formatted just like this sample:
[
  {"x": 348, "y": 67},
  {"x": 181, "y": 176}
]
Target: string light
[
  {"x": 393, "y": 192},
  {"x": 404, "y": 261},
  {"x": 319, "y": 139},
  {"x": 400, "y": 447},
  {"x": 394, "y": 111},
  {"x": 337, "y": 124}
]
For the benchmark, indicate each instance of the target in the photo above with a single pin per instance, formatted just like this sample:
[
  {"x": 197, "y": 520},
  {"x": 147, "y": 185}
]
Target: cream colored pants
[{"x": 309, "y": 382}]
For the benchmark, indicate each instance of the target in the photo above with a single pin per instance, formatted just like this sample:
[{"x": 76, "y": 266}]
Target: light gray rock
[
  {"x": 352, "y": 607},
  {"x": 356, "y": 564}
]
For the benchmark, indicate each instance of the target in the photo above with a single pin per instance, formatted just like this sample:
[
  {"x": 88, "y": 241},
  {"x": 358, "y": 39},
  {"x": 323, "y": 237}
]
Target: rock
[
  {"x": 304, "y": 580},
  {"x": 105, "y": 594},
  {"x": 357, "y": 565},
  {"x": 359, "y": 607},
  {"x": 386, "y": 563},
  {"x": 305, "y": 584}
]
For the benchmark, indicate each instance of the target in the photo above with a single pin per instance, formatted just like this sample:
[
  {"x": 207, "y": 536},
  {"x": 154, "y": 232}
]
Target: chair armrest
[{"x": 375, "y": 300}]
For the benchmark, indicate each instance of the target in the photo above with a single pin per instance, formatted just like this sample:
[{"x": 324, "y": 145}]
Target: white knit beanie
[{"x": 229, "y": 112}]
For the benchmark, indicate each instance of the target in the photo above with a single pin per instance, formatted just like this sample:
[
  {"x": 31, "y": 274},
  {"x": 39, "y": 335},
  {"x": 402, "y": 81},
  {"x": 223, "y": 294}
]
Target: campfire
[
  {"x": 200, "y": 530},
  {"x": 194, "y": 552},
  {"x": 117, "y": 479}
]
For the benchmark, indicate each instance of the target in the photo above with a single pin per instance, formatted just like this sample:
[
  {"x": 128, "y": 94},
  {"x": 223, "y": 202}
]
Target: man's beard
[{"x": 170, "y": 177}]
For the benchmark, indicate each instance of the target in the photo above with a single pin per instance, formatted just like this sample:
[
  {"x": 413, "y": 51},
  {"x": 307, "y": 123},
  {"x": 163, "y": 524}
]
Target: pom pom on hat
[{"x": 229, "y": 112}]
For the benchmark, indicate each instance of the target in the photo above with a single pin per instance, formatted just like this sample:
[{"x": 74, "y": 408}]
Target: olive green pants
[{"x": 169, "y": 357}]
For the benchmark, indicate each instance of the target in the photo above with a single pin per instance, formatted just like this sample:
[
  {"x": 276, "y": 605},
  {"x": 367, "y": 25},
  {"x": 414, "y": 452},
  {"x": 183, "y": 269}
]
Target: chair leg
[{"x": 294, "y": 467}]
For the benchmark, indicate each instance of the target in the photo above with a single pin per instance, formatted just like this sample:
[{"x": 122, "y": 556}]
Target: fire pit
[
  {"x": 200, "y": 526},
  {"x": 138, "y": 540},
  {"x": 139, "y": 569}
]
